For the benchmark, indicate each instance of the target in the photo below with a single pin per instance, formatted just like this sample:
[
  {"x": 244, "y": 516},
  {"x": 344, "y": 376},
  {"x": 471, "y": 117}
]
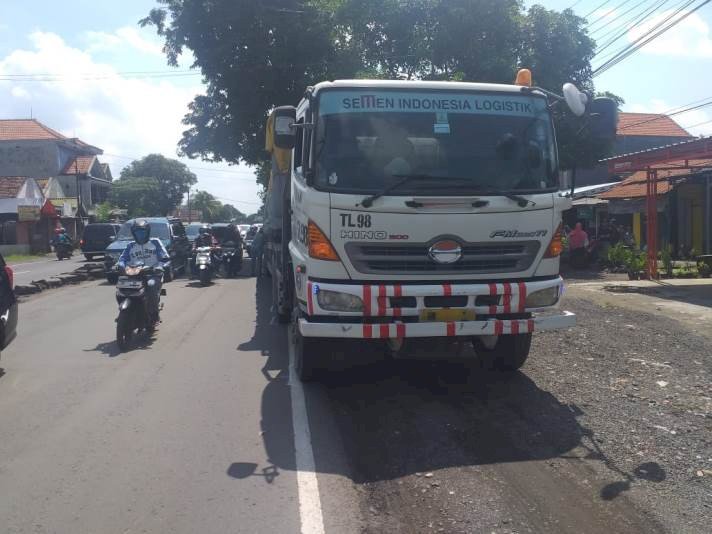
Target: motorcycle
[
  {"x": 204, "y": 264},
  {"x": 63, "y": 250},
  {"x": 136, "y": 313},
  {"x": 232, "y": 259}
]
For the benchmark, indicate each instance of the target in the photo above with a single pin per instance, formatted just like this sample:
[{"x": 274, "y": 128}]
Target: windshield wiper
[
  {"x": 404, "y": 178},
  {"x": 520, "y": 200}
]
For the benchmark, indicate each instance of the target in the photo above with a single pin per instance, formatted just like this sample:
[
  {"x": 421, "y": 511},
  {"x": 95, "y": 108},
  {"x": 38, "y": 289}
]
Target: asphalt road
[
  {"x": 199, "y": 430},
  {"x": 26, "y": 272}
]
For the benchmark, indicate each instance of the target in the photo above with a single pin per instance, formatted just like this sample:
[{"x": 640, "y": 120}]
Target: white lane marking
[
  {"x": 307, "y": 484},
  {"x": 21, "y": 272},
  {"x": 38, "y": 262}
]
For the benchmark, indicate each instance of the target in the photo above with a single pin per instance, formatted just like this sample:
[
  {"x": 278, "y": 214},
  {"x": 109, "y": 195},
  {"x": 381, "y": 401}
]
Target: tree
[
  {"x": 257, "y": 55},
  {"x": 172, "y": 177},
  {"x": 103, "y": 212},
  {"x": 138, "y": 194},
  {"x": 228, "y": 213},
  {"x": 210, "y": 206}
]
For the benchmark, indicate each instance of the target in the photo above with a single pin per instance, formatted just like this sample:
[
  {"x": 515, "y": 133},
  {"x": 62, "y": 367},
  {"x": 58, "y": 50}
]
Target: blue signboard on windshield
[{"x": 365, "y": 101}]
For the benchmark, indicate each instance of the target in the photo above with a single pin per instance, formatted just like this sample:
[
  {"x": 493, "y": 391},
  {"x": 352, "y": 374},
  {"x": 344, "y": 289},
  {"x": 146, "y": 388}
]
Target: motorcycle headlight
[
  {"x": 339, "y": 302},
  {"x": 543, "y": 297}
]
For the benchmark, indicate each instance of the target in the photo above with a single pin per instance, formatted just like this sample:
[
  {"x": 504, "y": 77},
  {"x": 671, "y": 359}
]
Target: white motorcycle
[{"x": 204, "y": 264}]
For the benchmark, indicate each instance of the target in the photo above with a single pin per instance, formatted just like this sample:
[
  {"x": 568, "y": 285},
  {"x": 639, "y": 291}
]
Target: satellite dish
[{"x": 575, "y": 99}]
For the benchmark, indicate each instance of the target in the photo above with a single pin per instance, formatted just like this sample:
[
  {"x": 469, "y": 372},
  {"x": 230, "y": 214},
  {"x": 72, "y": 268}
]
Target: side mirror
[
  {"x": 284, "y": 132},
  {"x": 575, "y": 99},
  {"x": 603, "y": 122}
]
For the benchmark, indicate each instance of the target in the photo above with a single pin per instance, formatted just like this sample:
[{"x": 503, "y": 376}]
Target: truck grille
[{"x": 412, "y": 258}]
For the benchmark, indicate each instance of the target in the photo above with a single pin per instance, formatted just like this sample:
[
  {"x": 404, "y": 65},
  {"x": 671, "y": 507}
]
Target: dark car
[
  {"x": 225, "y": 232},
  {"x": 96, "y": 238},
  {"x": 250, "y": 237},
  {"x": 170, "y": 231},
  {"x": 193, "y": 231},
  {"x": 8, "y": 305}
]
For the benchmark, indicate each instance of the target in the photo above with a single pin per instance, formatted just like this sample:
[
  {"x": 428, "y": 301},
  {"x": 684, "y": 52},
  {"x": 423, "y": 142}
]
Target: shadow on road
[
  {"x": 270, "y": 340},
  {"x": 142, "y": 341}
]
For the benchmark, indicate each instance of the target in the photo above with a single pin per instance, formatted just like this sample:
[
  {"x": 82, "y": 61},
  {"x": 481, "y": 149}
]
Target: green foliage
[
  {"x": 138, "y": 194},
  {"x": 103, "y": 212},
  {"x": 618, "y": 254},
  {"x": 255, "y": 56},
  {"x": 636, "y": 261},
  {"x": 666, "y": 257},
  {"x": 172, "y": 178}
]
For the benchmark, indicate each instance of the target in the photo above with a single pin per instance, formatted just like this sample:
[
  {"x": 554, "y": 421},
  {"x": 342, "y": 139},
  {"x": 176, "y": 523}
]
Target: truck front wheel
[
  {"x": 509, "y": 354},
  {"x": 307, "y": 355}
]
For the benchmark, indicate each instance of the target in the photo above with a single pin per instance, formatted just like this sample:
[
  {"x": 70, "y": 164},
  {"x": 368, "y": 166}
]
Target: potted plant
[{"x": 635, "y": 264}]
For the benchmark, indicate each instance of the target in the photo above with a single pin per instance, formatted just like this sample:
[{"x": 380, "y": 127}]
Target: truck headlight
[
  {"x": 543, "y": 297},
  {"x": 339, "y": 302}
]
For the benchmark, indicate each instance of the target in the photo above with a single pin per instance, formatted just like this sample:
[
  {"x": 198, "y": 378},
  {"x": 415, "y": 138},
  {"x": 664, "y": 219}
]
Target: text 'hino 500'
[{"x": 401, "y": 209}]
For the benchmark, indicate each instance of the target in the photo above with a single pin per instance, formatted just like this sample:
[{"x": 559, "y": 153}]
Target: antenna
[{"x": 31, "y": 116}]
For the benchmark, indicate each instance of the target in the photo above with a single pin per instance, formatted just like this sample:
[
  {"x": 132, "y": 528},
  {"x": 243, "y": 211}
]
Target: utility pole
[{"x": 190, "y": 213}]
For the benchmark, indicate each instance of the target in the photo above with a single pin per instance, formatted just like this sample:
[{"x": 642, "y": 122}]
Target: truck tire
[
  {"x": 509, "y": 354},
  {"x": 307, "y": 356}
]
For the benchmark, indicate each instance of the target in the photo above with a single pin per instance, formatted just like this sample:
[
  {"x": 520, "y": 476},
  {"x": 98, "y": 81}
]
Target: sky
[{"x": 95, "y": 46}]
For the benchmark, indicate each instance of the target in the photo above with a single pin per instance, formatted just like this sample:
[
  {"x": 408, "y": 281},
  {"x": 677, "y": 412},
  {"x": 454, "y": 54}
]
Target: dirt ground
[{"x": 608, "y": 428}]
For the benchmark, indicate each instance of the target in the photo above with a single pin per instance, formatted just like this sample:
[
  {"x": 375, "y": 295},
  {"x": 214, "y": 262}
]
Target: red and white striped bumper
[
  {"x": 396, "y": 330},
  {"x": 505, "y": 298}
]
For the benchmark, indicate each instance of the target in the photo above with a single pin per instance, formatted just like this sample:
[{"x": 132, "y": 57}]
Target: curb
[{"x": 85, "y": 273}]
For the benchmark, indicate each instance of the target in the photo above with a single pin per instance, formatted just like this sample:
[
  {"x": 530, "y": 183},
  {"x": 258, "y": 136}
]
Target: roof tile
[
  {"x": 79, "y": 165},
  {"x": 635, "y": 185},
  {"x": 10, "y": 186},
  {"x": 649, "y": 124},
  {"x": 26, "y": 130}
]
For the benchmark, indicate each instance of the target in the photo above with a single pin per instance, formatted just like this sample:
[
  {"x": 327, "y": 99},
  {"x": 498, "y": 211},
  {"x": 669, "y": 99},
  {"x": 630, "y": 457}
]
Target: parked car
[
  {"x": 8, "y": 305},
  {"x": 169, "y": 230},
  {"x": 97, "y": 237}
]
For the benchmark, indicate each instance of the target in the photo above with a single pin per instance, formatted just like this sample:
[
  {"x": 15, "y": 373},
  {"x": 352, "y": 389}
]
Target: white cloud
[
  {"x": 142, "y": 41},
  {"x": 696, "y": 121},
  {"x": 126, "y": 117},
  {"x": 689, "y": 38}
]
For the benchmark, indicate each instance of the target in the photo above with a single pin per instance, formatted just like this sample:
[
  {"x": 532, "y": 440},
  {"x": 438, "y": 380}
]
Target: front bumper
[
  {"x": 498, "y": 309},
  {"x": 398, "y": 330}
]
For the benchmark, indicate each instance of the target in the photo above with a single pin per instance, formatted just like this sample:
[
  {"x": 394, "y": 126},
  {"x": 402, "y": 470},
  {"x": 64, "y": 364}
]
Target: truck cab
[{"x": 418, "y": 210}]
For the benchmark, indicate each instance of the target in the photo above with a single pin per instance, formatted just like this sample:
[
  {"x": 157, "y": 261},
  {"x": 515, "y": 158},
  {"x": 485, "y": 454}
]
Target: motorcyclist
[
  {"x": 147, "y": 251},
  {"x": 62, "y": 237},
  {"x": 205, "y": 239}
]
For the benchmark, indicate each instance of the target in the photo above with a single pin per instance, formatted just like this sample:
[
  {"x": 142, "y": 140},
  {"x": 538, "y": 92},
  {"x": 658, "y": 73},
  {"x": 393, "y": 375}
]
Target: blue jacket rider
[{"x": 146, "y": 251}]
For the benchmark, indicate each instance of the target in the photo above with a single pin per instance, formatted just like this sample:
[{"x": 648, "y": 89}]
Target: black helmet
[{"x": 141, "y": 231}]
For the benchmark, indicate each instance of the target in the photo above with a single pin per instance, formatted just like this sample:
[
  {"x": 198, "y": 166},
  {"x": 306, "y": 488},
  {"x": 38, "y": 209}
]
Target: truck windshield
[{"x": 364, "y": 139}]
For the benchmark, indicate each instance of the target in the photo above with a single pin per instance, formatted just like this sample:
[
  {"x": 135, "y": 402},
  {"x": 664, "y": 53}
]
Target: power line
[
  {"x": 621, "y": 16},
  {"x": 642, "y": 41},
  {"x": 696, "y": 125},
  {"x": 604, "y": 4},
  {"x": 192, "y": 168},
  {"x": 635, "y": 21},
  {"x": 574, "y": 4},
  {"x": 607, "y": 13}
]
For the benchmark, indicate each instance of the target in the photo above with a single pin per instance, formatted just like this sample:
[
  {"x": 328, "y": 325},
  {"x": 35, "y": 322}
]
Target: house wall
[
  {"x": 29, "y": 158},
  {"x": 69, "y": 185}
]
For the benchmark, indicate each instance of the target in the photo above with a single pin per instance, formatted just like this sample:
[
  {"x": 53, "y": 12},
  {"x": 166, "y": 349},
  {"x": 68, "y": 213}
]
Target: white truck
[{"x": 402, "y": 209}]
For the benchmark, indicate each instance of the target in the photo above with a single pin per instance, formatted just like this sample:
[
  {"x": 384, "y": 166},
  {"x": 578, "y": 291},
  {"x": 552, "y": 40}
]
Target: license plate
[
  {"x": 447, "y": 315},
  {"x": 128, "y": 283}
]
